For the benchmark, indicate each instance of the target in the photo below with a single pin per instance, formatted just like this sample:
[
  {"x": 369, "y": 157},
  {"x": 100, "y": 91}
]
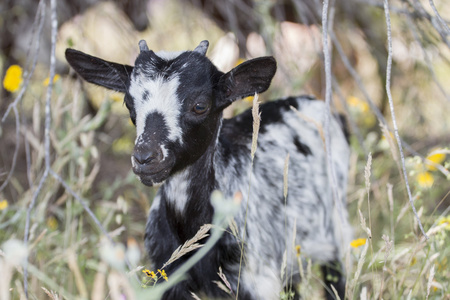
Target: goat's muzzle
[{"x": 150, "y": 164}]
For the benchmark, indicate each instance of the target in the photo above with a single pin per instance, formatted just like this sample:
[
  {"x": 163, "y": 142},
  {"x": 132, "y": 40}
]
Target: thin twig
[
  {"x": 83, "y": 203},
  {"x": 392, "y": 8},
  {"x": 48, "y": 169},
  {"x": 440, "y": 19},
  {"x": 28, "y": 158},
  {"x": 327, "y": 121},
  {"x": 27, "y": 227},
  {"x": 345, "y": 60},
  {"x": 357, "y": 78},
  {"x": 54, "y": 22},
  {"x": 40, "y": 17},
  {"x": 434, "y": 21},
  {"x": 16, "y": 150},
  {"x": 54, "y": 25},
  {"x": 426, "y": 57},
  {"x": 391, "y": 106},
  {"x": 27, "y": 75}
]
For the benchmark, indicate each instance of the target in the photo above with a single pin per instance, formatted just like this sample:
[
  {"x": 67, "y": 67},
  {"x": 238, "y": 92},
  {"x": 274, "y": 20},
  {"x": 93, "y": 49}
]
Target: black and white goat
[{"x": 176, "y": 102}]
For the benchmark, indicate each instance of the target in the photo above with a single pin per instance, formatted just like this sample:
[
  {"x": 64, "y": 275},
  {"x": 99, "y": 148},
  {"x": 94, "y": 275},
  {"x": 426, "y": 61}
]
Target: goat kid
[{"x": 176, "y": 101}]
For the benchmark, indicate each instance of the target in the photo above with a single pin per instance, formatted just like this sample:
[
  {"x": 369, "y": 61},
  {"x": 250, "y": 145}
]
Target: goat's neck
[{"x": 187, "y": 195}]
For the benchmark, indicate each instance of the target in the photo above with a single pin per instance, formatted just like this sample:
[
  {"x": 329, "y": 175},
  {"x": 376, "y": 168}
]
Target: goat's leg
[{"x": 333, "y": 274}]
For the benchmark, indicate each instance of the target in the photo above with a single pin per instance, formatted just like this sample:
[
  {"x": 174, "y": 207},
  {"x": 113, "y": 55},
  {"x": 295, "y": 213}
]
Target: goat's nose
[{"x": 144, "y": 157}]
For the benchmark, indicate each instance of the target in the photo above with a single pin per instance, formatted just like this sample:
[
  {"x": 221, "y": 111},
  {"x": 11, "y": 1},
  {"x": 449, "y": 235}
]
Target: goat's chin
[
  {"x": 153, "y": 174},
  {"x": 152, "y": 179},
  {"x": 150, "y": 182}
]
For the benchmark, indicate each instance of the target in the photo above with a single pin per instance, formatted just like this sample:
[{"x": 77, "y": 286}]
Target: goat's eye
[{"x": 200, "y": 108}]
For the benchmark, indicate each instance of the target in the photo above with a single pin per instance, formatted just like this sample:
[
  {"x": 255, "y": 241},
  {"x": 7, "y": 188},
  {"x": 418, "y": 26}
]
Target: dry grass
[{"x": 190, "y": 245}]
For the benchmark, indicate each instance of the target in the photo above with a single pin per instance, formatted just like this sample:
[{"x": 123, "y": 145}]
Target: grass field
[{"x": 48, "y": 178}]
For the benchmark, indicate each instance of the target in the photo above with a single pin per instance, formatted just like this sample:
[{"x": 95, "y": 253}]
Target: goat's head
[{"x": 175, "y": 100}]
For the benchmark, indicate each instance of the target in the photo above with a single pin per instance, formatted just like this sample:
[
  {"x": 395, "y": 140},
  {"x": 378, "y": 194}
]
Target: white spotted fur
[
  {"x": 329, "y": 234},
  {"x": 176, "y": 190}
]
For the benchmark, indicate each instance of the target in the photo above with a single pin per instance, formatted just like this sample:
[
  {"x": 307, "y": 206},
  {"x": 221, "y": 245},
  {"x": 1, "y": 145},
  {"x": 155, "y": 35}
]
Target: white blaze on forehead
[{"x": 158, "y": 95}]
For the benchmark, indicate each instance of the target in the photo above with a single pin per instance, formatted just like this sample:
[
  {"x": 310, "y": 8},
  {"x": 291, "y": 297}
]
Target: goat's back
[{"x": 294, "y": 127}]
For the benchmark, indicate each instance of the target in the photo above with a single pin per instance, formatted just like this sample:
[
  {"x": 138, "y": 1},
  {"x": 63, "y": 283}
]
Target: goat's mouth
[
  {"x": 153, "y": 175},
  {"x": 152, "y": 180}
]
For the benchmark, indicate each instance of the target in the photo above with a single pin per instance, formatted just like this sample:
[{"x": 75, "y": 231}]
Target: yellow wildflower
[
  {"x": 13, "y": 78},
  {"x": 3, "y": 204},
  {"x": 249, "y": 99},
  {"x": 358, "y": 104},
  {"x": 239, "y": 61},
  {"x": 297, "y": 249},
  {"x": 163, "y": 274},
  {"x": 52, "y": 223},
  {"x": 116, "y": 96},
  {"x": 352, "y": 101},
  {"x": 357, "y": 243},
  {"x": 391, "y": 135},
  {"x": 437, "y": 158},
  {"x": 149, "y": 273},
  {"x": 442, "y": 265},
  {"x": 362, "y": 109},
  {"x": 445, "y": 220},
  {"x": 425, "y": 180},
  {"x": 47, "y": 80}
]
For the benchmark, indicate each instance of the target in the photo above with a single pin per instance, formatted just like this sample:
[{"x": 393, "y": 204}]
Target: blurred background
[{"x": 91, "y": 137}]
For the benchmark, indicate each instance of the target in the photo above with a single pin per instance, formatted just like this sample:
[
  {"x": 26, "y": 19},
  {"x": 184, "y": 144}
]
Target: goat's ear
[
  {"x": 98, "y": 71},
  {"x": 248, "y": 78}
]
